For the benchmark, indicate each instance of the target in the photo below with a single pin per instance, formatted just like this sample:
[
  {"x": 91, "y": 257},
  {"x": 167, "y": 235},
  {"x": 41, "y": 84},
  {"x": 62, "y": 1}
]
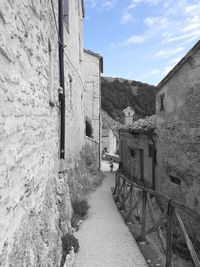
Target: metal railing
[{"x": 131, "y": 195}]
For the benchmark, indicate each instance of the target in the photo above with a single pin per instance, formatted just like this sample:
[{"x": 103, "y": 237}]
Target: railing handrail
[
  {"x": 174, "y": 203},
  {"x": 124, "y": 191}
]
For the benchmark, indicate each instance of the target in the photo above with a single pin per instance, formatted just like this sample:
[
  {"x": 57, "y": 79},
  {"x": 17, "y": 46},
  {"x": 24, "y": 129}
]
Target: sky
[{"x": 141, "y": 40}]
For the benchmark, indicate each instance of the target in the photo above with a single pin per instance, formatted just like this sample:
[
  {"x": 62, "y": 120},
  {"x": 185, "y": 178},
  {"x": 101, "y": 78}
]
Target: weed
[
  {"x": 80, "y": 209},
  {"x": 68, "y": 241}
]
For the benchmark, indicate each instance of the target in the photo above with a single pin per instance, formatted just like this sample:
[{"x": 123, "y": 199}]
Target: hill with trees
[{"x": 117, "y": 94}]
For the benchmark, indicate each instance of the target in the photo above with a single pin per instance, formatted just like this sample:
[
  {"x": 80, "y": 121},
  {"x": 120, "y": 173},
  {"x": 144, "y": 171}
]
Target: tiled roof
[{"x": 143, "y": 125}]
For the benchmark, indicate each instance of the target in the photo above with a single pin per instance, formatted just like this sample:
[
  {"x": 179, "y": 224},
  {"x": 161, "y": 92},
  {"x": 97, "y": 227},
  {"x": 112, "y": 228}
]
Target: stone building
[
  {"x": 110, "y": 134},
  {"x": 35, "y": 185},
  {"x": 178, "y": 127},
  {"x": 164, "y": 150},
  {"x": 109, "y": 141},
  {"x": 138, "y": 152},
  {"x": 129, "y": 114},
  {"x": 93, "y": 67}
]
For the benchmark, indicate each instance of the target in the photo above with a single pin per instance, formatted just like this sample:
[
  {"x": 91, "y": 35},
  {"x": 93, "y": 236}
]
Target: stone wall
[
  {"x": 178, "y": 172},
  {"x": 91, "y": 95},
  {"x": 34, "y": 201},
  {"x": 131, "y": 147}
]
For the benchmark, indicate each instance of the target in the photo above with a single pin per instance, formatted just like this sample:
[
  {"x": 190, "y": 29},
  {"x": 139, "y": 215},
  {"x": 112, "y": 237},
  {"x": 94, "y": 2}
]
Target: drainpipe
[{"x": 61, "y": 78}]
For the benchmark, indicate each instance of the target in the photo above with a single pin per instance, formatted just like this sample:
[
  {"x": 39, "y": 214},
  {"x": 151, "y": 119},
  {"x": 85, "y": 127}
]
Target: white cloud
[
  {"x": 135, "y": 39},
  {"x": 91, "y": 3},
  {"x": 159, "y": 22},
  {"x": 174, "y": 61},
  {"x": 127, "y": 12},
  {"x": 126, "y": 17},
  {"x": 132, "y": 40},
  {"x": 153, "y": 72},
  {"x": 180, "y": 36},
  {"x": 107, "y": 4},
  {"x": 168, "y": 52},
  {"x": 168, "y": 69}
]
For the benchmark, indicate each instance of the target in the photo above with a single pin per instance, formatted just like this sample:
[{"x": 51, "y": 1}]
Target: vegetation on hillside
[{"x": 117, "y": 94}]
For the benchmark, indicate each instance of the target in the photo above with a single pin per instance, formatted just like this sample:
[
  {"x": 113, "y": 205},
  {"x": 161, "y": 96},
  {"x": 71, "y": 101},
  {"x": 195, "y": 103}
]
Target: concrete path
[{"x": 105, "y": 240}]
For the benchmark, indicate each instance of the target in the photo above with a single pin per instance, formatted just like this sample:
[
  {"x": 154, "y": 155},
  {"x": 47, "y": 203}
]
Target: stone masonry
[
  {"x": 92, "y": 96},
  {"x": 35, "y": 203},
  {"x": 178, "y": 118}
]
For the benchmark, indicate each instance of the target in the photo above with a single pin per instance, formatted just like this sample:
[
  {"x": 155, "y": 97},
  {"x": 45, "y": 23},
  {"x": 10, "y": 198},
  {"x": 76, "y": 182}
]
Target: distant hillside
[{"x": 119, "y": 93}]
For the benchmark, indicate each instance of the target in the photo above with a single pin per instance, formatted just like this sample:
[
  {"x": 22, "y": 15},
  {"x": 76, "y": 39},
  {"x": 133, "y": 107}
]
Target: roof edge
[
  {"x": 97, "y": 56},
  {"x": 189, "y": 54}
]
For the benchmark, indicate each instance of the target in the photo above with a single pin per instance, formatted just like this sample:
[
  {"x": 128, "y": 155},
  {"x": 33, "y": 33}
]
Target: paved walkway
[{"x": 105, "y": 240}]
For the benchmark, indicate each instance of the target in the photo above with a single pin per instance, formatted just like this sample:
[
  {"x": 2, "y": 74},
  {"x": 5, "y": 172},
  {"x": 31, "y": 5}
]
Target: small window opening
[
  {"x": 150, "y": 151},
  {"x": 132, "y": 152},
  {"x": 162, "y": 96},
  {"x": 88, "y": 129},
  {"x": 175, "y": 180}
]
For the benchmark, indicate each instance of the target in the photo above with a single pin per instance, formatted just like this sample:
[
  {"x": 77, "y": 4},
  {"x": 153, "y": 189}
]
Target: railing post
[
  {"x": 144, "y": 207},
  {"x": 169, "y": 235},
  {"x": 130, "y": 204},
  {"x": 115, "y": 192},
  {"x": 122, "y": 207}
]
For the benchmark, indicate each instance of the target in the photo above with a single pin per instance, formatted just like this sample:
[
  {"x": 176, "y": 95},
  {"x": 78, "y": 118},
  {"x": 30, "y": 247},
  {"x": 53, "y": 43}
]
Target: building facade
[
  {"x": 129, "y": 114},
  {"x": 35, "y": 202},
  {"x": 175, "y": 141},
  {"x": 137, "y": 150},
  {"x": 178, "y": 127},
  {"x": 109, "y": 141},
  {"x": 93, "y": 67}
]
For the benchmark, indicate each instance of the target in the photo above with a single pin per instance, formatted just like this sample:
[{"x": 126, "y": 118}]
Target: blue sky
[{"x": 141, "y": 39}]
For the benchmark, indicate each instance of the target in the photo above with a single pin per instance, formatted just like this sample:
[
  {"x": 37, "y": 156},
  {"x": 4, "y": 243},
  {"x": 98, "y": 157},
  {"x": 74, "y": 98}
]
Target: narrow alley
[{"x": 105, "y": 240}]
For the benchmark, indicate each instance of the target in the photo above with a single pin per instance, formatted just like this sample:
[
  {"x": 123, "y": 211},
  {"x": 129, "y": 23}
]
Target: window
[
  {"x": 132, "y": 152},
  {"x": 162, "y": 96},
  {"x": 175, "y": 180},
  {"x": 88, "y": 129},
  {"x": 150, "y": 153},
  {"x": 150, "y": 150},
  {"x": 66, "y": 13}
]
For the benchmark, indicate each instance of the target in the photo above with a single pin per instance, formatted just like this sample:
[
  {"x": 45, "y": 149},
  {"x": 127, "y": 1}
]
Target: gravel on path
[{"x": 104, "y": 239}]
